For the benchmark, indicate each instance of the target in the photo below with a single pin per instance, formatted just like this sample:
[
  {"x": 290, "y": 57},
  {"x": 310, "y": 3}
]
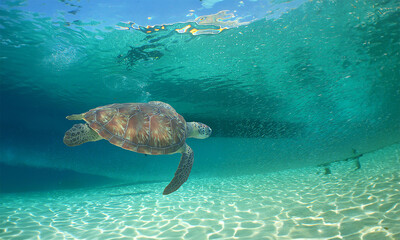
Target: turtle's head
[{"x": 198, "y": 130}]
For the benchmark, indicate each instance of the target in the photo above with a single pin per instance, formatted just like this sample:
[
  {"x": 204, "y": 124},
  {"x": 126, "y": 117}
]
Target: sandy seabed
[{"x": 306, "y": 203}]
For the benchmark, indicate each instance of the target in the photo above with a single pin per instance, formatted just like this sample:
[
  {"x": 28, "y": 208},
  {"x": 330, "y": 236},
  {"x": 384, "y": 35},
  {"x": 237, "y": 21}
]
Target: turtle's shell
[{"x": 140, "y": 127}]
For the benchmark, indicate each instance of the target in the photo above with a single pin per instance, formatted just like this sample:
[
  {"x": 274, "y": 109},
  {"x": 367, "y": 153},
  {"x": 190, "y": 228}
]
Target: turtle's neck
[{"x": 190, "y": 130}]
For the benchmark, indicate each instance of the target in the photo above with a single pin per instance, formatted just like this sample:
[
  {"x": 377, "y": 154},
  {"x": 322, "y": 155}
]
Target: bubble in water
[
  {"x": 61, "y": 58},
  {"x": 122, "y": 83},
  {"x": 116, "y": 82}
]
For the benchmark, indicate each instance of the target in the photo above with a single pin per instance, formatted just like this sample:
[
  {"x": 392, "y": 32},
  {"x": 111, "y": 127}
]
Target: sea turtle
[{"x": 150, "y": 128}]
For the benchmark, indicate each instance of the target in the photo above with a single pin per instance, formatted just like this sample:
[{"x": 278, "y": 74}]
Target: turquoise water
[
  {"x": 287, "y": 89},
  {"x": 292, "y": 204}
]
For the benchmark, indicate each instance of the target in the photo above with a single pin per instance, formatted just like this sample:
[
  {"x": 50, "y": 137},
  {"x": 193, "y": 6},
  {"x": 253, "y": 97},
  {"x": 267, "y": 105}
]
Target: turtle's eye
[{"x": 205, "y": 130}]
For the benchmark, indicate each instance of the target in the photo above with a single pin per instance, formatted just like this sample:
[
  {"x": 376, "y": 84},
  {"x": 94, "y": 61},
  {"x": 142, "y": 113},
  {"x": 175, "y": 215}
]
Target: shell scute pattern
[
  {"x": 129, "y": 110},
  {"x": 117, "y": 125},
  {"x": 105, "y": 134},
  {"x": 161, "y": 132},
  {"x": 149, "y": 109},
  {"x": 130, "y": 146},
  {"x": 137, "y": 130},
  {"x": 104, "y": 116},
  {"x": 139, "y": 127},
  {"x": 168, "y": 113},
  {"x": 117, "y": 141},
  {"x": 178, "y": 129}
]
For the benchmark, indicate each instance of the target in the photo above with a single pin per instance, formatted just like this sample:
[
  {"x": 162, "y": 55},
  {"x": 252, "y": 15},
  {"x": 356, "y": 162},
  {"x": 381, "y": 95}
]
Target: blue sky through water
[{"x": 154, "y": 12}]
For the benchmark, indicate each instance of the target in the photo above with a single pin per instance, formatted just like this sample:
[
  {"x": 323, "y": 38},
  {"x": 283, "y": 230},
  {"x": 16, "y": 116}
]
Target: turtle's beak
[{"x": 208, "y": 131}]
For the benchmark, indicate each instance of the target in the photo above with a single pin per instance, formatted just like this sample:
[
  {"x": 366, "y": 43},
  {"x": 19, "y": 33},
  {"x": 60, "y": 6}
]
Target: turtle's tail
[{"x": 75, "y": 117}]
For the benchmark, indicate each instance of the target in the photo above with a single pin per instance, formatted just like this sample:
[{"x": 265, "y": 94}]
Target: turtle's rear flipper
[
  {"x": 80, "y": 133},
  {"x": 183, "y": 171}
]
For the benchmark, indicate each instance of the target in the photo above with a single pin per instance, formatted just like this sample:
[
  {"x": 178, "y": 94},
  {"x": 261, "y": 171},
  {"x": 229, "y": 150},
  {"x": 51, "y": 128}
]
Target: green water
[{"x": 316, "y": 84}]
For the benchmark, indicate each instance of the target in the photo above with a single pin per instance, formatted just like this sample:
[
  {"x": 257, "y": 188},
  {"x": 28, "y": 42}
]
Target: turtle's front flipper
[
  {"x": 183, "y": 171},
  {"x": 80, "y": 133}
]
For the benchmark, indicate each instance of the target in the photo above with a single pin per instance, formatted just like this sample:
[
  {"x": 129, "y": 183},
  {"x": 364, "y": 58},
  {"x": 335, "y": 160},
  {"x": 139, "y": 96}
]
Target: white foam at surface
[{"x": 293, "y": 204}]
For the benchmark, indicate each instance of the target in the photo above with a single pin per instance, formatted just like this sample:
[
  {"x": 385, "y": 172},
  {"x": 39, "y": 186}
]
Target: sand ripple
[{"x": 295, "y": 204}]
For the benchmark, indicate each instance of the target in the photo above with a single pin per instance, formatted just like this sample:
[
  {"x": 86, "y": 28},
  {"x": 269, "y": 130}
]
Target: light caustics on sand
[{"x": 349, "y": 203}]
